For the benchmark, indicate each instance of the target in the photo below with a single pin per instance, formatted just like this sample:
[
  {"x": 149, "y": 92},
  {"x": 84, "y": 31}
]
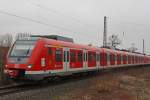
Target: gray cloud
[{"x": 80, "y": 19}]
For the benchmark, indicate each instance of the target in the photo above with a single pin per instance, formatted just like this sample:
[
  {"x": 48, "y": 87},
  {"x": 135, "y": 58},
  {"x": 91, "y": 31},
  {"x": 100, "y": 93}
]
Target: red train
[{"x": 38, "y": 58}]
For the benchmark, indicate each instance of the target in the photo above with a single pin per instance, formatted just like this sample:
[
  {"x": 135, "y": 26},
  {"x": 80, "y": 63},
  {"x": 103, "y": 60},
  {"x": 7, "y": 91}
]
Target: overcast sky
[{"x": 80, "y": 19}]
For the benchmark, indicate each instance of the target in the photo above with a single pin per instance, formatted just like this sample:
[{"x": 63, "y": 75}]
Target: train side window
[
  {"x": 80, "y": 56},
  {"x": 101, "y": 57},
  {"x": 94, "y": 57},
  {"x": 72, "y": 57},
  {"x": 119, "y": 58},
  {"x": 58, "y": 55},
  {"x": 84, "y": 57},
  {"x": 64, "y": 56},
  {"x": 124, "y": 58},
  {"x": 67, "y": 56},
  {"x": 107, "y": 57},
  {"x": 111, "y": 57},
  {"x": 89, "y": 56},
  {"x": 50, "y": 51},
  {"x": 114, "y": 57},
  {"x": 97, "y": 57},
  {"x": 129, "y": 58},
  {"x": 133, "y": 58}
]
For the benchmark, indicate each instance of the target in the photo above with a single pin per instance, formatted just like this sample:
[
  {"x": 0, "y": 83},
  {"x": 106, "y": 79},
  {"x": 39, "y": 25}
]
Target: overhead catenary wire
[
  {"x": 40, "y": 22},
  {"x": 60, "y": 13},
  {"x": 36, "y": 21}
]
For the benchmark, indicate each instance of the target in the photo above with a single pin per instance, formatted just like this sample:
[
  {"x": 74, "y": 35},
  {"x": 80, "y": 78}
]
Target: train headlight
[
  {"x": 43, "y": 63},
  {"x": 29, "y": 66},
  {"x": 6, "y": 66}
]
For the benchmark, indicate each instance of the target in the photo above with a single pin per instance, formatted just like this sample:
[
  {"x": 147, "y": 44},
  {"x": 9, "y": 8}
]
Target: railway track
[
  {"x": 24, "y": 87},
  {"x": 15, "y": 88},
  {"x": 8, "y": 90}
]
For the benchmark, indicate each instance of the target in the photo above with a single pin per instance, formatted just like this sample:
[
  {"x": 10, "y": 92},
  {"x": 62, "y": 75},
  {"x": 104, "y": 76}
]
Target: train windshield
[{"x": 22, "y": 49}]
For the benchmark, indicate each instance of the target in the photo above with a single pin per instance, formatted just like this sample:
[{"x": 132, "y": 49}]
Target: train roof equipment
[{"x": 55, "y": 37}]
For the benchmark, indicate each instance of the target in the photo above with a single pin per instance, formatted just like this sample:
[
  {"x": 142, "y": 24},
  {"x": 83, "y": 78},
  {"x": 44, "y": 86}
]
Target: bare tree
[
  {"x": 114, "y": 41},
  {"x": 5, "y": 43},
  {"x": 132, "y": 48},
  {"x": 6, "y": 40}
]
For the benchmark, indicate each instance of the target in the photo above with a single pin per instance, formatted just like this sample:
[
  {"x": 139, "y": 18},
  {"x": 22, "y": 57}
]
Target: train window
[
  {"x": 125, "y": 58},
  {"x": 49, "y": 50},
  {"x": 101, "y": 57},
  {"x": 67, "y": 56},
  {"x": 84, "y": 57},
  {"x": 108, "y": 56},
  {"x": 112, "y": 57},
  {"x": 105, "y": 57},
  {"x": 97, "y": 57},
  {"x": 129, "y": 58},
  {"x": 58, "y": 55},
  {"x": 80, "y": 56},
  {"x": 64, "y": 56},
  {"x": 94, "y": 56},
  {"x": 119, "y": 58},
  {"x": 72, "y": 56},
  {"x": 89, "y": 56},
  {"x": 133, "y": 58},
  {"x": 115, "y": 57}
]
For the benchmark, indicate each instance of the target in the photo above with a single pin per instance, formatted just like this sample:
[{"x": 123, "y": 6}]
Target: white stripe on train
[{"x": 79, "y": 69}]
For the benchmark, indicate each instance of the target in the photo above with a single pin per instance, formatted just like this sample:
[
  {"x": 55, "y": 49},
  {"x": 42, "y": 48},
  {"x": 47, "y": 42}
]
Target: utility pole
[
  {"x": 143, "y": 46},
  {"x": 105, "y": 32}
]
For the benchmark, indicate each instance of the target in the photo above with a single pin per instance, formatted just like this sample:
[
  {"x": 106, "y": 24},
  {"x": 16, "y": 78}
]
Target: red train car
[{"x": 37, "y": 58}]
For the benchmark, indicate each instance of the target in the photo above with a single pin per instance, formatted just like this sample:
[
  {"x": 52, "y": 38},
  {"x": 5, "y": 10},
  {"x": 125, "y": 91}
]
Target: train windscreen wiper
[{"x": 27, "y": 51}]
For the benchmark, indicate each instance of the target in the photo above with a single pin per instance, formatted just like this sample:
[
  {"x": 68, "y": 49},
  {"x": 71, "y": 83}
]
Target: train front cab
[{"x": 20, "y": 58}]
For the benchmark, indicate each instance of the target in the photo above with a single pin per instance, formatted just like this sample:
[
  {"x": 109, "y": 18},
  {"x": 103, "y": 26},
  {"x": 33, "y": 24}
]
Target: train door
[
  {"x": 105, "y": 58},
  {"x": 118, "y": 58},
  {"x": 101, "y": 58},
  {"x": 66, "y": 61},
  {"x": 85, "y": 56},
  {"x": 121, "y": 56},
  {"x": 108, "y": 58},
  {"x": 97, "y": 59},
  {"x": 127, "y": 59}
]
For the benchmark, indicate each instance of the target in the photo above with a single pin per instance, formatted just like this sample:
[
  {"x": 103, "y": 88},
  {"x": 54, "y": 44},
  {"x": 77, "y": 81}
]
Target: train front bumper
[{"x": 24, "y": 75}]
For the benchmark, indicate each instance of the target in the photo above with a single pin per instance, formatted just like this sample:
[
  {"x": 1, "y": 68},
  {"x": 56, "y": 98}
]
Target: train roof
[
  {"x": 55, "y": 37},
  {"x": 59, "y": 43},
  {"x": 69, "y": 44},
  {"x": 79, "y": 46}
]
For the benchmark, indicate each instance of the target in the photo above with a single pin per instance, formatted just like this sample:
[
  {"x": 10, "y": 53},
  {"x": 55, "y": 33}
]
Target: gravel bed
[{"x": 132, "y": 84}]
